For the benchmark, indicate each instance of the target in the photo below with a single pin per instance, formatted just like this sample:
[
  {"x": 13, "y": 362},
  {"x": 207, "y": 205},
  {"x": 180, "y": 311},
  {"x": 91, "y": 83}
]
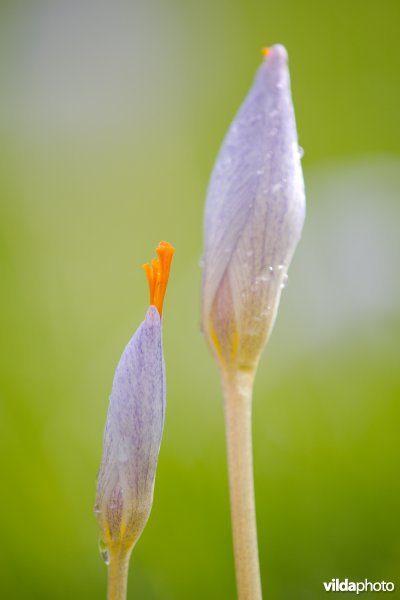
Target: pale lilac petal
[
  {"x": 255, "y": 204},
  {"x": 133, "y": 433}
]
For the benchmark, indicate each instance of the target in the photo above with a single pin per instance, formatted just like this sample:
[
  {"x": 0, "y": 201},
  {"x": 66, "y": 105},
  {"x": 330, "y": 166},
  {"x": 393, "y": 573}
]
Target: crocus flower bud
[
  {"x": 253, "y": 219},
  {"x": 134, "y": 425}
]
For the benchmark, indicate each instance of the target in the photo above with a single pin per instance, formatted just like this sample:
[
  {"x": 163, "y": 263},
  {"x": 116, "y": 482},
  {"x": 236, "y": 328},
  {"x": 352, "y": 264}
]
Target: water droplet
[
  {"x": 122, "y": 455},
  {"x": 271, "y": 269},
  {"x": 276, "y": 187},
  {"x": 301, "y": 152},
  {"x": 261, "y": 279},
  {"x": 255, "y": 119},
  {"x": 265, "y": 313},
  {"x": 284, "y": 280},
  {"x": 281, "y": 267},
  {"x": 104, "y": 552}
]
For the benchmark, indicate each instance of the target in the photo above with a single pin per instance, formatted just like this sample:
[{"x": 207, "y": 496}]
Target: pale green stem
[
  {"x": 118, "y": 573},
  {"x": 238, "y": 390}
]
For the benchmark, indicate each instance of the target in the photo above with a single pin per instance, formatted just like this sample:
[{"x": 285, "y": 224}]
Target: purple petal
[
  {"x": 255, "y": 208},
  {"x": 133, "y": 434}
]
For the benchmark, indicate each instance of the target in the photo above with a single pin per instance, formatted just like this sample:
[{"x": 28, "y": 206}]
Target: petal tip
[
  {"x": 277, "y": 52},
  {"x": 153, "y": 316}
]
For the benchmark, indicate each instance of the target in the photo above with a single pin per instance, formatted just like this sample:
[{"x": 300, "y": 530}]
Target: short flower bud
[{"x": 134, "y": 424}]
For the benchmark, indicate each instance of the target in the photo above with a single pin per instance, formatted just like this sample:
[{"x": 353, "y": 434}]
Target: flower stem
[
  {"x": 238, "y": 389},
  {"x": 118, "y": 573}
]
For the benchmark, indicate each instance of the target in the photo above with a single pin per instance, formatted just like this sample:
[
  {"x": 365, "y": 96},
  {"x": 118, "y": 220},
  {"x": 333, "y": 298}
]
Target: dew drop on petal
[
  {"x": 262, "y": 279},
  {"x": 284, "y": 280},
  {"x": 104, "y": 552},
  {"x": 301, "y": 152},
  {"x": 276, "y": 187},
  {"x": 122, "y": 456}
]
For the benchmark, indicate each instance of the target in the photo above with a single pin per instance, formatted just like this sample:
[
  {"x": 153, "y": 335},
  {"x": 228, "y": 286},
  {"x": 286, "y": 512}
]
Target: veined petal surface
[
  {"x": 132, "y": 436},
  {"x": 254, "y": 216}
]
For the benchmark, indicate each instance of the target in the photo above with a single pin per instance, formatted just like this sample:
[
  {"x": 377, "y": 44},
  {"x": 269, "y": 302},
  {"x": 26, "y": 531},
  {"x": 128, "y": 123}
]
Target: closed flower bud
[
  {"x": 253, "y": 219},
  {"x": 134, "y": 425}
]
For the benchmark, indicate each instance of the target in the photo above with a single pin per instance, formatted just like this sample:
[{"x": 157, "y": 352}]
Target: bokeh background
[{"x": 111, "y": 116}]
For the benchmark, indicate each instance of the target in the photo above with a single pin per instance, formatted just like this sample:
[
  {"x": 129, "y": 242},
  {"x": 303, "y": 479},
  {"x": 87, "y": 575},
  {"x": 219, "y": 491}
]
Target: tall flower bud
[
  {"x": 253, "y": 219},
  {"x": 133, "y": 431}
]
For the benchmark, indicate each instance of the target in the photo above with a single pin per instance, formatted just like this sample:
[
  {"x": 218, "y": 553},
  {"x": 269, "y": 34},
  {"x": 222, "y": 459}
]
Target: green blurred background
[{"x": 111, "y": 116}]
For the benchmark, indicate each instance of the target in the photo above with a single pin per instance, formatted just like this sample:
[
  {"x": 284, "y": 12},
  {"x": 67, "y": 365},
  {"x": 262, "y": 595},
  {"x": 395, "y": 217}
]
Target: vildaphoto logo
[{"x": 335, "y": 585}]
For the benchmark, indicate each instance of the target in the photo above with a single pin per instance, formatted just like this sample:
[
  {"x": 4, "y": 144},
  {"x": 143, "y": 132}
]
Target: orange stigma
[
  {"x": 265, "y": 52},
  {"x": 157, "y": 274}
]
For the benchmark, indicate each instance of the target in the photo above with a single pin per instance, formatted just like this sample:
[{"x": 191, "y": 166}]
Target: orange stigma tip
[
  {"x": 157, "y": 274},
  {"x": 265, "y": 52}
]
